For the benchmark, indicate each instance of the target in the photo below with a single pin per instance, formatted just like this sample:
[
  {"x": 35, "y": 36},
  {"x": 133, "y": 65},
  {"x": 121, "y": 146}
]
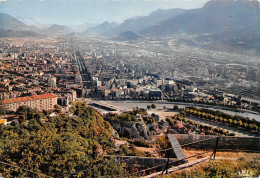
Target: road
[{"x": 86, "y": 77}]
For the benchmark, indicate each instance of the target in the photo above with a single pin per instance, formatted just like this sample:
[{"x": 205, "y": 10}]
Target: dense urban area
[
  {"x": 111, "y": 102},
  {"x": 99, "y": 68},
  {"x": 53, "y": 74}
]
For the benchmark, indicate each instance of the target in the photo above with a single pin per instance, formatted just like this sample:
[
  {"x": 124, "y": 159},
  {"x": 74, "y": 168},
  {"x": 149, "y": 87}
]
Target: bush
[
  {"x": 163, "y": 143},
  {"x": 143, "y": 143},
  {"x": 148, "y": 120},
  {"x": 126, "y": 150},
  {"x": 221, "y": 168},
  {"x": 170, "y": 121}
]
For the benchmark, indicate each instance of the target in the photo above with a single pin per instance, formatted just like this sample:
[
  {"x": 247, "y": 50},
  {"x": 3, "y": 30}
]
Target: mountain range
[
  {"x": 221, "y": 24},
  {"x": 101, "y": 29},
  {"x": 12, "y": 27},
  {"x": 127, "y": 36},
  {"x": 57, "y": 29},
  {"x": 8, "y": 22},
  {"x": 140, "y": 23},
  {"x": 216, "y": 16}
]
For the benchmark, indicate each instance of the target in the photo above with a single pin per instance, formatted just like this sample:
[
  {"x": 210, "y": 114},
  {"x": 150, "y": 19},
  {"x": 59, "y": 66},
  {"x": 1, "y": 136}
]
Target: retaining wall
[{"x": 233, "y": 143}]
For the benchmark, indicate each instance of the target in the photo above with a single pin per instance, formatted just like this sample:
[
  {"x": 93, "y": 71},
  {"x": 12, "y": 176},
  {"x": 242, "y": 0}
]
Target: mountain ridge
[
  {"x": 8, "y": 22},
  {"x": 127, "y": 36},
  {"x": 139, "y": 23},
  {"x": 102, "y": 28},
  {"x": 57, "y": 29},
  {"x": 214, "y": 17}
]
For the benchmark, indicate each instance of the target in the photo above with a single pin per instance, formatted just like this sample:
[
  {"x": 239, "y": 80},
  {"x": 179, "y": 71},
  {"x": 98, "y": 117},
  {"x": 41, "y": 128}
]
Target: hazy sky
[{"x": 72, "y": 12}]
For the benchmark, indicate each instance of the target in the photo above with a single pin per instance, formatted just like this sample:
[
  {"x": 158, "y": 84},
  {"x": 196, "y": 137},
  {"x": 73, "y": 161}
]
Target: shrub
[
  {"x": 143, "y": 143},
  {"x": 221, "y": 168}
]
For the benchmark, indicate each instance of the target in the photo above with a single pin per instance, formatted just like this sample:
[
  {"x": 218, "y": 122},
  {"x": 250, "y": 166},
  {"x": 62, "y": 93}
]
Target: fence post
[
  {"x": 215, "y": 150},
  {"x": 166, "y": 166}
]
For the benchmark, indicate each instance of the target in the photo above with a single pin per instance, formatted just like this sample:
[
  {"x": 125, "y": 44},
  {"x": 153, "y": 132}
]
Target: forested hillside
[{"x": 57, "y": 146}]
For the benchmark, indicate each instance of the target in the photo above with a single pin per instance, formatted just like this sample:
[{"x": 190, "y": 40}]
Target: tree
[
  {"x": 57, "y": 108},
  {"x": 245, "y": 125},
  {"x": 170, "y": 121},
  {"x": 27, "y": 113},
  {"x": 175, "y": 108},
  {"x": 148, "y": 107},
  {"x": 162, "y": 142},
  {"x": 240, "y": 123},
  {"x": 60, "y": 145},
  {"x": 153, "y": 106},
  {"x": 183, "y": 113}
]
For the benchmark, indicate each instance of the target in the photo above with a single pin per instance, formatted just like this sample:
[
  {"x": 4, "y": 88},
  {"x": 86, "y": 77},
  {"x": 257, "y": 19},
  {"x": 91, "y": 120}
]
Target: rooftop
[
  {"x": 28, "y": 98},
  {"x": 2, "y": 121}
]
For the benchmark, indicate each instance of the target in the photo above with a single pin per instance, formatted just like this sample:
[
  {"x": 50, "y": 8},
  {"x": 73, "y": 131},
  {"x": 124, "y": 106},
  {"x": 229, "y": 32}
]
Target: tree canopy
[{"x": 57, "y": 146}]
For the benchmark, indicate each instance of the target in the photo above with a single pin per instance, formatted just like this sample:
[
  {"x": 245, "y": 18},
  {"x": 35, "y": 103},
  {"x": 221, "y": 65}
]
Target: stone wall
[{"x": 229, "y": 143}]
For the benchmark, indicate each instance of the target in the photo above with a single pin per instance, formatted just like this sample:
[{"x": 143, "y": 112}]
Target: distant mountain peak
[
  {"x": 57, "y": 29},
  {"x": 128, "y": 36},
  {"x": 8, "y": 22},
  {"x": 102, "y": 28}
]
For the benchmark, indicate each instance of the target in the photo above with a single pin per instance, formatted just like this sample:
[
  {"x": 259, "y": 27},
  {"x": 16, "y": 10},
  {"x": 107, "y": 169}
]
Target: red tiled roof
[
  {"x": 2, "y": 121},
  {"x": 28, "y": 98}
]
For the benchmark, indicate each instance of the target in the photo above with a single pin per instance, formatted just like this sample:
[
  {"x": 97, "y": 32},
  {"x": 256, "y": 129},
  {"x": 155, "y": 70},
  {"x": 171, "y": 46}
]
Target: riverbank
[{"x": 127, "y": 104}]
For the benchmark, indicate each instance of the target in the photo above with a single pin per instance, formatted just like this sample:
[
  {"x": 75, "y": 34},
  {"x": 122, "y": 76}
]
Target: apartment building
[{"x": 41, "y": 102}]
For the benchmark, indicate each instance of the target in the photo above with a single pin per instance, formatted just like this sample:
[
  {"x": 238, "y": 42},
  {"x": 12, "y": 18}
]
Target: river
[{"x": 160, "y": 104}]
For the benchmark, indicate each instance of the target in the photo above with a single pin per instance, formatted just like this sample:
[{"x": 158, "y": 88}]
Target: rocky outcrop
[{"x": 133, "y": 129}]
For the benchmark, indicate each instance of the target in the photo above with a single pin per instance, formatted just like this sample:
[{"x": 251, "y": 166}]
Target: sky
[{"x": 76, "y": 12}]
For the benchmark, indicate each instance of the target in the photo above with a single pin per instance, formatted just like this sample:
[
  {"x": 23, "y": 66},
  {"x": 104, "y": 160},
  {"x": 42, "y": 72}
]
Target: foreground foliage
[
  {"x": 58, "y": 146},
  {"x": 222, "y": 168}
]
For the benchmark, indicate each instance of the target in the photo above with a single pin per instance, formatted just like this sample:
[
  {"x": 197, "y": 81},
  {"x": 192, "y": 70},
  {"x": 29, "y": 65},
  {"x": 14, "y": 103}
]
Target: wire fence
[{"x": 175, "y": 161}]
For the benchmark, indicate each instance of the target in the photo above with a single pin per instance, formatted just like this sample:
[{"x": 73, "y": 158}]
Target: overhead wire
[{"x": 199, "y": 154}]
